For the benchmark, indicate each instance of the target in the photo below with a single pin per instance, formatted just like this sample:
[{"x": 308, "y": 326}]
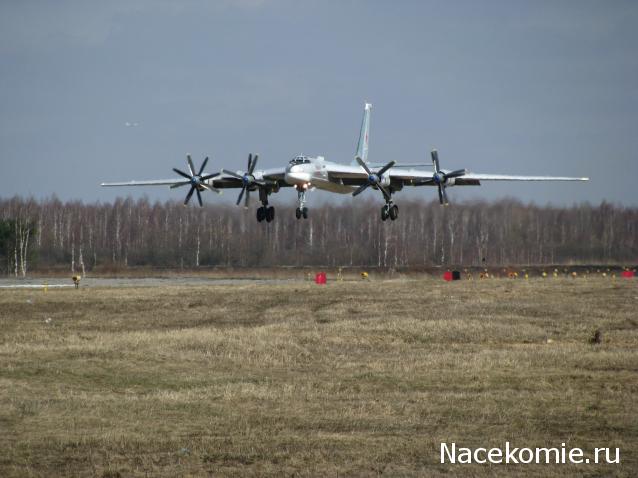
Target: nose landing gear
[{"x": 302, "y": 210}]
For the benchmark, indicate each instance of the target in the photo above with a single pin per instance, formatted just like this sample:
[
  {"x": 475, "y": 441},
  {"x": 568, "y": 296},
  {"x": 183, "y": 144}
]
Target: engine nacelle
[
  {"x": 384, "y": 180},
  {"x": 450, "y": 182}
]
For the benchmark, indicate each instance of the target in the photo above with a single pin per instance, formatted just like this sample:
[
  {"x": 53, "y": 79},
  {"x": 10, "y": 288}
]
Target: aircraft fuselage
[{"x": 305, "y": 172}]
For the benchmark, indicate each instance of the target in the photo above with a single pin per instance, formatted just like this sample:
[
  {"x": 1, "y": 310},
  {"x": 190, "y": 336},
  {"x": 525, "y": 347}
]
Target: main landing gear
[
  {"x": 265, "y": 212},
  {"x": 390, "y": 211},
  {"x": 302, "y": 210}
]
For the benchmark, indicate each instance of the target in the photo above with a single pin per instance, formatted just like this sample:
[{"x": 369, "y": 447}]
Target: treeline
[{"x": 80, "y": 237}]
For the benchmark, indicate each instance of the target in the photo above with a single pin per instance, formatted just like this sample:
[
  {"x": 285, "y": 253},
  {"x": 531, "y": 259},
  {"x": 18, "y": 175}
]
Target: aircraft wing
[
  {"x": 356, "y": 172},
  {"x": 355, "y": 175},
  {"x": 151, "y": 182},
  {"x": 220, "y": 181},
  {"x": 410, "y": 176},
  {"x": 505, "y": 177},
  {"x": 274, "y": 175},
  {"x": 474, "y": 179}
]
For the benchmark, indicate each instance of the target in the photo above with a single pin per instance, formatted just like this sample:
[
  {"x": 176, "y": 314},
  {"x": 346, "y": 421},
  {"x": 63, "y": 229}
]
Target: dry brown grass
[{"x": 349, "y": 379}]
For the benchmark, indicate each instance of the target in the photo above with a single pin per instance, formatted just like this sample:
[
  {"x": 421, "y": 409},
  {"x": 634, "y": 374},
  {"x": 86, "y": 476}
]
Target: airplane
[{"x": 305, "y": 173}]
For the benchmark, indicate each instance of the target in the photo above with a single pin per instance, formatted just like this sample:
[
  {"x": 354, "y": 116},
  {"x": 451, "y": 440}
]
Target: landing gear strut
[
  {"x": 302, "y": 210},
  {"x": 265, "y": 212}
]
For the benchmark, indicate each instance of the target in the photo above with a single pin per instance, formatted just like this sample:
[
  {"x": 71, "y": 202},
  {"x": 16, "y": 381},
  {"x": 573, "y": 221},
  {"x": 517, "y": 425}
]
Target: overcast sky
[{"x": 521, "y": 87}]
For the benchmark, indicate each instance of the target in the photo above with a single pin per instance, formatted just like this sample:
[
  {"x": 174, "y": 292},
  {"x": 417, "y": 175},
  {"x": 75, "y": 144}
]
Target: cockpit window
[{"x": 300, "y": 160}]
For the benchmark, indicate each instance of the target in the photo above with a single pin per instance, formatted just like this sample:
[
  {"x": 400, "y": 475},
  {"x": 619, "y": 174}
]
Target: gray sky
[{"x": 515, "y": 87}]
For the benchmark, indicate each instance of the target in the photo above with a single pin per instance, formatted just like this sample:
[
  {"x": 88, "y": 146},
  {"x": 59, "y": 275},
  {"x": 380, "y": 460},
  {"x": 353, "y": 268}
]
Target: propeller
[
  {"x": 374, "y": 179},
  {"x": 247, "y": 178},
  {"x": 196, "y": 180},
  {"x": 440, "y": 178}
]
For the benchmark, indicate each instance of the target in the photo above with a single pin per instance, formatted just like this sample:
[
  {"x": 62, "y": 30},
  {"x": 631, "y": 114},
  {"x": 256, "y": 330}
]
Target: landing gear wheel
[
  {"x": 304, "y": 212},
  {"x": 385, "y": 212},
  {"x": 298, "y": 213},
  {"x": 393, "y": 212},
  {"x": 270, "y": 213},
  {"x": 261, "y": 214}
]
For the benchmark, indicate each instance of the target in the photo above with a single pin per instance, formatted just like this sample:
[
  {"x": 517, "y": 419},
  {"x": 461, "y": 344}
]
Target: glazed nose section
[{"x": 296, "y": 175}]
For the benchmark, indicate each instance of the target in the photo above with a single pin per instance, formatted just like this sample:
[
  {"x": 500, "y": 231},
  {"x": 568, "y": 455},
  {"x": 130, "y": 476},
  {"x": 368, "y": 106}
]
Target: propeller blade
[
  {"x": 209, "y": 176},
  {"x": 363, "y": 165},
  {"x": 182, "y": 173},
  {"x": 435, "y": 160},
  {"x": 190, "y": 164},
  {"x": 230, "y": 173},
  {"x": 177, "y": 185},
  {"x": 241, "y": 194},
  {"x": 199, "y": 198},
  {"x": 201, "y": 170},
  {"x": 440, "y": 194},
  {"x": 210, "y": 188},
  {"x": 247, "y": 198},
  {"x": 251, "y": 167},
  {"x": 250, "y": 161},
  {"x": 360, "y": 189},
  {"x": 385, "y": 168},
  {"x": 445, "y": 201},
  {"x": 456, "y": 174},
  {"x": 188, "y": 196},
  {"x": 386, "y": 194},
  {"x": 425, "y": 182}
]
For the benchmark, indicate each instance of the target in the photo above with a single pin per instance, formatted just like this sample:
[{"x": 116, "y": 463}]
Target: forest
[{"x": 48, "y": 234}]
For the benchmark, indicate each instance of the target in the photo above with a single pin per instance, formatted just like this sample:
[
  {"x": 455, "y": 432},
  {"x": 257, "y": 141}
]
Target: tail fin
[{"x": 364, "y": 134}]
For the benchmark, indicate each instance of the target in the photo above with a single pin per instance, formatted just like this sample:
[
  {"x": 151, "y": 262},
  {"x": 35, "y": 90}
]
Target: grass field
[{"x": 352, "y": 378}]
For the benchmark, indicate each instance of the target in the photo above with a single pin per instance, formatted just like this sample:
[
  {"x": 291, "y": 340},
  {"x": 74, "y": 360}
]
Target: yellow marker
[{"x": 46, "y": 286}]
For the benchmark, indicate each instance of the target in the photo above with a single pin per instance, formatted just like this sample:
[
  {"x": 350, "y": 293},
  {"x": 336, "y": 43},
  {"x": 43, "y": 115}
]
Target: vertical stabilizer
[{"x": 364, "y": 134}]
